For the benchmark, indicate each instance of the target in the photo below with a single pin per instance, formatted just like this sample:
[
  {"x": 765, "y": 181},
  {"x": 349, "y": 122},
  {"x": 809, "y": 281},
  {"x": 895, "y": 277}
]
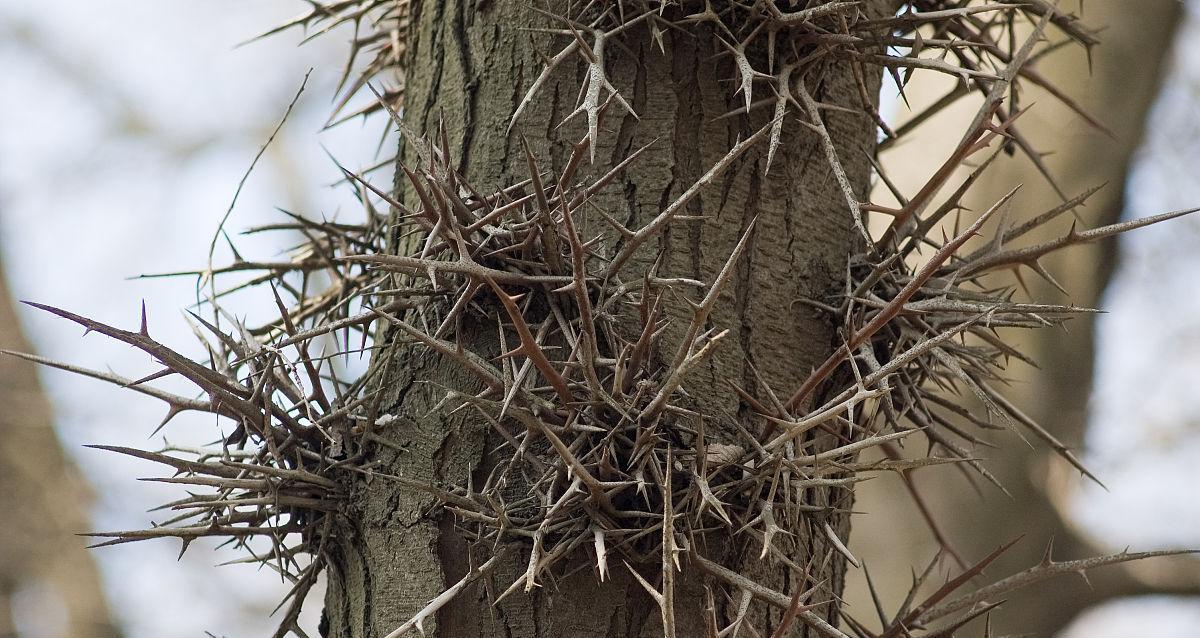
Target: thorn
[
  {"x": 145, "y": 330},
  {"x": 1048, "y": 555}
]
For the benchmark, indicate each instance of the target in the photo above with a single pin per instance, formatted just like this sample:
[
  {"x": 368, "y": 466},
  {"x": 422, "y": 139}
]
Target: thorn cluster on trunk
[{"x": 591, "y": 404}]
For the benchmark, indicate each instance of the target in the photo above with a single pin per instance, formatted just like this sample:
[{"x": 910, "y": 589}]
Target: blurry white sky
[{"x": 125, "y": 126}]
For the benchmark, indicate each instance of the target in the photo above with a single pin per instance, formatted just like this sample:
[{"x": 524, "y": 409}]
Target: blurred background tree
[
  {"x": 1117, "y": 84},
  {"x": 45, "y": 502}
]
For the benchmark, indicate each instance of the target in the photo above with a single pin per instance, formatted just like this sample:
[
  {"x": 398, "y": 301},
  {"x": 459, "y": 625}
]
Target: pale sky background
[{"x": 125, "y": 126}]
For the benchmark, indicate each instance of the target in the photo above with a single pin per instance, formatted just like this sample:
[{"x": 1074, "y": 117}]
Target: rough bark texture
[
  {"x": 1117, "y": 85},
  {"x": 44, "y": 499},
  {"x": 471, "y": 64}
]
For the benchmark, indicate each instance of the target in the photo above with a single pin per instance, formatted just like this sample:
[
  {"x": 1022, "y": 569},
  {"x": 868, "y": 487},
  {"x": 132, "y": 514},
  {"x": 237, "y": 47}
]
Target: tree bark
[{"x": 470, "y": 65}]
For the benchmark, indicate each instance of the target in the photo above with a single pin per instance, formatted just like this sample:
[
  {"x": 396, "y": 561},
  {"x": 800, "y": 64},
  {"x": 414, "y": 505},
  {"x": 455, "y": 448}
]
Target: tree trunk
[
  {"x": 470, "y": 65},
  {"x": 1116, "y": 83}
]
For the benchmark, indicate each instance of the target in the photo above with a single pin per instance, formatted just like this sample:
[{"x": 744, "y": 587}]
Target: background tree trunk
[
  {"x": 470, "y": 66},
  {"x": 44, "y": 500},
  {"x": 1117, "y": 86}
]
